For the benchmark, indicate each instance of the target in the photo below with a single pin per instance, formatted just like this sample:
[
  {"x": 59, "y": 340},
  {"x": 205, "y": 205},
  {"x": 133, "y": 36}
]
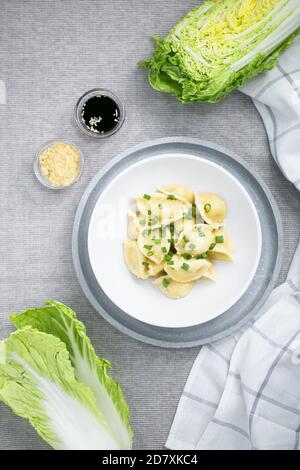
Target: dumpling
[
  {"x": 134, "y": 226},
  {"x": 178, "y": 192},
  {"x": 210, "y": 273},
  {"x": 195, "y": 240},
  {"x": 135, "y": 260},
  {"x": 212, "y": 208},
  {"x": 173, "y": 289},
  {"x": 155, "y": 244},
  {"x": 222, "y": 246},
  {"x": 159, "y": 210},
  {"x": 155, "y": 269},
  {"x": 182, "y": 270}
]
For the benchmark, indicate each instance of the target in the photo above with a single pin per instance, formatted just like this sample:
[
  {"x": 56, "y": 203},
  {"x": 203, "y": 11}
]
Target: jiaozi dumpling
[
  {"x": 155, "y": 269},
  {"x": 134, "y": 226},
  {"x": 155, "y": 244},
  {"x": 222, "y": 246},
  {"x": 173, "y": 289},
  {"x": 135, "y": 260},
  {"x": 210, "y": 273},
  {"x": 195, "y": 240},
  {"x": 179, "y": 192},
  {"x": 182, "y": 270},
  {"x": 212, "y": 208},
  {"x": 159, "y": 210}
]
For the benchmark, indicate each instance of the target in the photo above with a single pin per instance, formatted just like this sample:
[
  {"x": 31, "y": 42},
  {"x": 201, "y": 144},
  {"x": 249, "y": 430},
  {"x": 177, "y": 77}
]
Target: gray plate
[{"x": 231, "y": 320}]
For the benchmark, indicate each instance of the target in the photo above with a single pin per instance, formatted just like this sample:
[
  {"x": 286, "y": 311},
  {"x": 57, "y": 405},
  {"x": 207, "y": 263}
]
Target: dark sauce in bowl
[{"x": 99, "y": 113}]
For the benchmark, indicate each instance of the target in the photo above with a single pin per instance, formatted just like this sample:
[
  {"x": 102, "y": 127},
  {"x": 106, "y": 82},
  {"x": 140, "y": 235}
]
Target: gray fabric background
[{"x": 52, "y": 51}]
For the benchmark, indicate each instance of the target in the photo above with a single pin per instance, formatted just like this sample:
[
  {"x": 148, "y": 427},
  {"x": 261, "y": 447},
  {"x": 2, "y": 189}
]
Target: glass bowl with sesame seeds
[
  {"x": 99, "y": 113},
  {"x": 58, "y": 164}
]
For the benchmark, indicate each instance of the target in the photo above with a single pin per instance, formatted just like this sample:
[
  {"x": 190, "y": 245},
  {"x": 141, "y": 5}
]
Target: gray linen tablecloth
[{"x": 52, "y": 51}]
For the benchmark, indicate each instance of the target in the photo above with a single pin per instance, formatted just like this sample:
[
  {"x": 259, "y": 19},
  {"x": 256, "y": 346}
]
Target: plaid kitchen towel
[
  {"x": 243, "y": 392},
  {"x": 276, "y": 95}
]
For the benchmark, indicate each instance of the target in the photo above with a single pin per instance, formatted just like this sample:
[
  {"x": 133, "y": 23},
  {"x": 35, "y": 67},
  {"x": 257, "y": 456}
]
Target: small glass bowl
[
  {"x": 90, "y": 94},
  {"x": 37, "y": 168}
]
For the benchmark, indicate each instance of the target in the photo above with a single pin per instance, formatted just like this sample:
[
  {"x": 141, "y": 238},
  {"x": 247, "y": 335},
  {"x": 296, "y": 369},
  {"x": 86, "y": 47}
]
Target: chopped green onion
[
  {"x": 172, "y": 229},
  {"x": 150, "y": 253},
  {"x": 192, "y": 246},
  {"x": 143, "y": 222},
  {"x": 145, "y": 263},
  {"x": 164, "y": 249},
  {"x": 212, "y": 246},
  {"x": 185, "y": 267},
  {"x": 158, "y": 241},
  {"x": 202, "y": 256},
  {"x": 219, "y": 239},
  {"x": 188, "y": 215},
  {"x": 148, "y": 247},
  {"x": 187, "y": 256},
  {"x": 170, "y": 240},
  {"x": 171, "y": 196},
  {"x": 149, "y": 211},
  {"x": 170, "y": 262},
  {"x": 153, "y": 221},
  {"x": 169, "y": 256},
  {"x": 207, "y": 208},
  {"x": 185, "y": 239},
  {"x": 146, "y": 196},
  {"x": 166, "y": 282}
]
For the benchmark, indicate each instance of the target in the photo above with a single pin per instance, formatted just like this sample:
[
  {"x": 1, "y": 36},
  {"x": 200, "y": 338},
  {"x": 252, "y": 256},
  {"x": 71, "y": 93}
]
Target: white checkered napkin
[
  {"x": 276, "y": 95},
  {"x": 244, "y": 392}
]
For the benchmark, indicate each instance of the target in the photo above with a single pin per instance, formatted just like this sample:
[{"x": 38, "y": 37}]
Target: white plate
[{"x": 139, "y": 298}]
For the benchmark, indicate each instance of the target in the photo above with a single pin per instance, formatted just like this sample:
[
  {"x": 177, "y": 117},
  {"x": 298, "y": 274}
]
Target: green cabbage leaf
[{"x": 220, "y": 45}]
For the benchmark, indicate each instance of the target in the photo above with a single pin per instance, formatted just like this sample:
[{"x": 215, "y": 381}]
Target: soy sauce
[{"x": 100, "y": 114}]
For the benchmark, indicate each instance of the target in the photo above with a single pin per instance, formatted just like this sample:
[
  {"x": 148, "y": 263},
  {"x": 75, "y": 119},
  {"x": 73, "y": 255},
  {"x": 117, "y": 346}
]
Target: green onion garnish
[
  {"x": 185, "y": 239},
  {"x": 207, "y": 208},
  {"x": 212, "y": 246},
  {"x": 170, "y": 262},
  {"x": 164, "y": 249},
  {"x": 187, "y": 256},
  {"x": 185, "y": 267},
  {"x": 158, "y": 241},
  {"x": 172, "y": 229},
  {"x": 168, "y": 256},
  {"x": 145, "y": 263},
  {"x": 165, "y": 282},
  {"x": 202, "y": 256},
  {"x": 146, "y": 196},
  {"x": 171, "y": 196},
  {"x": 149, "y": 211},
  {"x": 143, "y": 222},
  {"x": 150, "y": 253},
  {"x": 148, "y": 247},
  {"x": 219, "y": 239},
  {"x": 153, "y": 221}
]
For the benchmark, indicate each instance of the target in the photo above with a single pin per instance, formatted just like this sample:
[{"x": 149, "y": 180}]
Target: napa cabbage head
[
  {"x": 51, "y": 375},
  {"x": 220, "y": 45}
]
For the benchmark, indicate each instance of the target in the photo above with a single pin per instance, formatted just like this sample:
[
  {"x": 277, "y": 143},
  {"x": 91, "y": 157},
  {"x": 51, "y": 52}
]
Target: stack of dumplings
[{"x": 174, "y": 237}]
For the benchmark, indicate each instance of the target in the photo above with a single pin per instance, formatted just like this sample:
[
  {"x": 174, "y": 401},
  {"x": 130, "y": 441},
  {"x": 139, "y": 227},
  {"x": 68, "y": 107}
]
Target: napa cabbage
[
  {"x": 220, "y": 45},
  {"x": 51, "y": 375}
]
